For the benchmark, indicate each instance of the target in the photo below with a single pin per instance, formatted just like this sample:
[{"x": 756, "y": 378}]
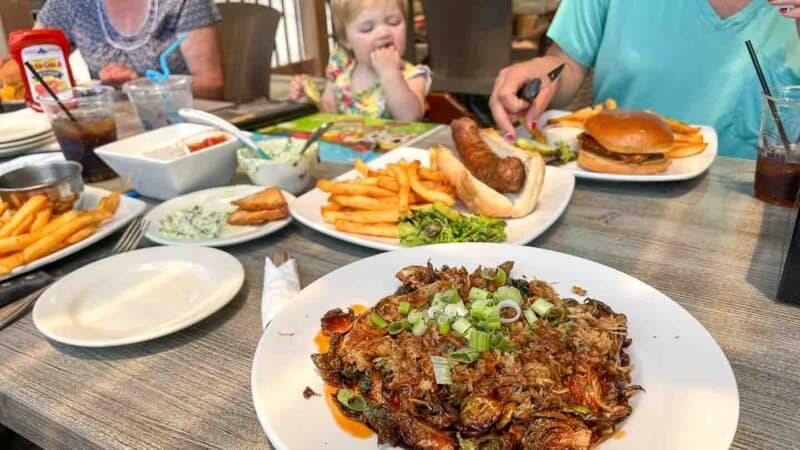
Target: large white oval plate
[
  {"x": 214, "y": 199},
  {"x": 691, "y": 400},
  {"x": 680, "y": 169},
  {"x": 553, "y": 200},
  {"x": 138, "y": 296}
]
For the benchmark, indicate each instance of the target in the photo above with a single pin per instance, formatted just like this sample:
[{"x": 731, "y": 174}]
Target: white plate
[
  {"x": 22, "y": 124},
  {"x": 129, "y": 208},
  {"x": 680, "y": 169},
  {"x": 555, "y": 195},
  {"x": 215, "y": 199},
  {"x": 48, "y": 143},
  {"x": 21, "y": 142},
  {"x": 137, "y": 296},
  {"x": 691, "y": 401}
]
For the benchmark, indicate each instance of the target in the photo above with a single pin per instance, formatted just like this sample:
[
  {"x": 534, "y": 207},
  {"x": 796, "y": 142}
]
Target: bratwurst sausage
[{"x": 501, "y": 174}]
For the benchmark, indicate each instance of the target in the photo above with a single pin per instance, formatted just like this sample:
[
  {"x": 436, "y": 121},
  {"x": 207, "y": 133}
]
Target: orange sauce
[
  {"x": 352, "y": 427},
  {"x": 618, "y": 435}
]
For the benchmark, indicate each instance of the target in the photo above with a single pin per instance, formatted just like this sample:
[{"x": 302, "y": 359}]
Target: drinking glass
[
  {"x": 778, "y": 169},
  {"x": 92, "y": 124}
]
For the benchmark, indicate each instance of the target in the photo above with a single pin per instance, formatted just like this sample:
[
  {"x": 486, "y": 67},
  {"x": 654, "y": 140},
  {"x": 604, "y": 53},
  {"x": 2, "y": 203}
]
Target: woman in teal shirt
[{"x": 682, "y": 58}]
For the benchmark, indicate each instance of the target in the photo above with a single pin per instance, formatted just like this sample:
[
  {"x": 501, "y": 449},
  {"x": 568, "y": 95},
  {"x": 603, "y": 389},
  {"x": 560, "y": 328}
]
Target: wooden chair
[
  {"x": 469, "y": 41},
  {"x": 247, "y": 40},
  {"x": 443, "y": 108}
]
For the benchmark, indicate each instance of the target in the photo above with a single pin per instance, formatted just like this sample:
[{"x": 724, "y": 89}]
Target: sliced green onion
[
  {"x": 441, "y": 370},
  {"x": 580, "y": 409},
  {"x": 478, "y": 294},
  {"x": 461, "y": 326},
  {"x": 397, "y": 327},
  {"x": 378, "y": 321},
  {"x": 444, "y": 326},
  {"x": 448, "y": 296},
  {"x": 479, "y": 341},
  {"x": 404, "y": 308},
  {"x": 456, "y": 310},
  {"x": 415, "y": 317},
  {"x": 508, "y": 293},
  {"x": 493, "y": 323},
  {"x": 351, "y": 400},
  {"x": 500, "y": 342},
  {"x": 510, "y": 304},
  {"x": 481, "y": 309},
  {"x": 542, "y": 307},
  {"x": 499, "y": 275},
  {"x": 419, "y": 328},
  {"x": 567, "y": 328},
  {"x": 530, "y": 316},
  {"x": 464, "y": 355}
]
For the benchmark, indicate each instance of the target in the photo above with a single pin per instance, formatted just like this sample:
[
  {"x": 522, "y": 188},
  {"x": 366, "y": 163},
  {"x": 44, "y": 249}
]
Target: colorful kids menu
[{"x": 353, "y": 137}]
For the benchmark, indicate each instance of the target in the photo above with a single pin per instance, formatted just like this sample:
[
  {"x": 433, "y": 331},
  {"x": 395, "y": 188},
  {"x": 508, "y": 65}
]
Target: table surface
[{"x": 706, "y": 243}]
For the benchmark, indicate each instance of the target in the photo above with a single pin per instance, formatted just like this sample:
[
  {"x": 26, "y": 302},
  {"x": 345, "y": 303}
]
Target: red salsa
[{"x": 208, "y": 142}]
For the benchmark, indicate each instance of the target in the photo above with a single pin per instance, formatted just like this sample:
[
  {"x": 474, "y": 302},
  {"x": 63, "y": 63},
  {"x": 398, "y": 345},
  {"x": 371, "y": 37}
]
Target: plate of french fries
[
  {"x": 693, "y": 151},
  {"x": 250, "y": 212},
  {"x": 365, "y": 205},
  {"x": 33, "y": 235}
]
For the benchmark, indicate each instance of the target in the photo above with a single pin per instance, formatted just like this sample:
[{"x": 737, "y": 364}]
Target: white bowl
[
  {"x": 292, "y": 176},
  {"x": 163, "y": 177}
]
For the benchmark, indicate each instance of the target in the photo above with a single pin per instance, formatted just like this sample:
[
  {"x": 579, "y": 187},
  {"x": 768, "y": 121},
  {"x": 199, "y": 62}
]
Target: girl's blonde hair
[{"x": 345, "y": 11}]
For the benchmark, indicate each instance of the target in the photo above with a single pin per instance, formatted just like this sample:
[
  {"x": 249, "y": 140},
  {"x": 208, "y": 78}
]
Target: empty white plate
[{"x": 137, "y": 296}]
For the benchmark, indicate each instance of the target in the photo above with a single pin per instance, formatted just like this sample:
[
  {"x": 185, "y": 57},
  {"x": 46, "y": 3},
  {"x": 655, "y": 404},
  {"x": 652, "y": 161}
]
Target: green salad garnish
[{"x": 439, "y": 224}]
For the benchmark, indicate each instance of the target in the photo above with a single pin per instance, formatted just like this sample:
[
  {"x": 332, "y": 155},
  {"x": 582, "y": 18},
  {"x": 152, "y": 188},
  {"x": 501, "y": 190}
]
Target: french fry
[
  {"x": 3, "y": 208},
  {"x": 370, "y": 181},
  {"x": 680, "y": 127},
  {"x": 424, "y": 192},
  {"x": 50, "y": 242},
  {"x": 363, "y": 216},
  {"x": 353, "y": 189},
  {"x": 25, "y": 226},
  {"x": 371, "y": 229},
  {"x": 432, "y": 175},
  {"x": 688, "y": 138},
  {"x": 421, "y": 205},
  {"x": 80, "y": 235},
  {"x": 404, "y": 192},
  {"x": 10, "y": 262},
  {"x": 611, "y": 103},
  {"x": 389, "y": 183},
  {"x": 330, "y": 206},
  {"x": 16, "y": 243},
  {"x": 42, "y": 217},
  {"x": 361, "y": 167},
  {"x": 29, "y": 208},
  {"x": 569, "y": 123},
  {"x": 686, "y": 150},
  {"x": 363, "y": 202},
  {"x": 433, "y": 160},
  {"x": 110, "y": 202}
]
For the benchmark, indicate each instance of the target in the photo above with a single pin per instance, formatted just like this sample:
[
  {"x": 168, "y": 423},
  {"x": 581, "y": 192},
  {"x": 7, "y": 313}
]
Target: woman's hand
[
  {"x": 296, "y": 92},
  {"x": 507, "y": 108},
  {"x": 790, "y": 9},
  {"x": 117, "y": 74}
]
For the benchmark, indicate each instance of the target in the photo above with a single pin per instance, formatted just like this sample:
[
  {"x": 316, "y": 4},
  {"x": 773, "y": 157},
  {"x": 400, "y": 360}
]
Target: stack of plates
[{"x": 23, "y": 130}]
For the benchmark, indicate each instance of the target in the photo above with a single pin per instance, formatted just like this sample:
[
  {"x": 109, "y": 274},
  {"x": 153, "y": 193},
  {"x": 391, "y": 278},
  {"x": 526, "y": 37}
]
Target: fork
[{"x": 128, "y": 241}]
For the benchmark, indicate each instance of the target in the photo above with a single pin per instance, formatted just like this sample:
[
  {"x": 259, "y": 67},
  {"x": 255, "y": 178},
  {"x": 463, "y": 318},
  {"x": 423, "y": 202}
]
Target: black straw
[
  {"x": 50, "y": 91},
  {"x": 767, "y": 92}
]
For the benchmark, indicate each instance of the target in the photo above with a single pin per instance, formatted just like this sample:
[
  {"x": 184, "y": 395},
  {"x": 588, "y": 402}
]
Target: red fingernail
[
  {"x": 786, "y": 10},
  {"x": 510, "y": 136},
  {"x": 533, "y": 125}
]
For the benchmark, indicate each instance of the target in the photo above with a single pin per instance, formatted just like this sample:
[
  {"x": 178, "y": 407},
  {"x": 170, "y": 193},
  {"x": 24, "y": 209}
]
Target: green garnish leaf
[
  {"x": 351, "y": 400},
  {"x": 438, "y": 224}
]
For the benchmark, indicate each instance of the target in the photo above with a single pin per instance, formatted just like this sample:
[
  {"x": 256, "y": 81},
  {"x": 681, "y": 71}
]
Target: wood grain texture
[{"x": 706, "y": 243}]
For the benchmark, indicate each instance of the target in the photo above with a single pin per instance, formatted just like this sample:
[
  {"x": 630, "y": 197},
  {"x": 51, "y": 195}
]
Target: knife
[
  {"x": 530, "y": 90},
  {"x": 13, "y": 290}
]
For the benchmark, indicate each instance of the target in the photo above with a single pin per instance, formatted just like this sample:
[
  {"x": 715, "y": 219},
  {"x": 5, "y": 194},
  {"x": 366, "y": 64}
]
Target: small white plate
[
  {"x": 129, "y": 209},
  {"x": 680, "y": 169},
  {"x": 137, "y": 296},
  {"x": 553, "y": 200},
  {"x": 215, "y": 199},
  {"x": 26, "y": 141},
  {"x": 48, "y": 143},
  {"x": 22, "y": 124},
  {"x": 690, "y": 401}
]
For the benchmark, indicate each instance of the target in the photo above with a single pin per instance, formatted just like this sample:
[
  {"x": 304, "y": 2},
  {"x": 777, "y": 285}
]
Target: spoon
[
  {"x": 202, "y": 117},
  {"x": 315, "y": 136}
]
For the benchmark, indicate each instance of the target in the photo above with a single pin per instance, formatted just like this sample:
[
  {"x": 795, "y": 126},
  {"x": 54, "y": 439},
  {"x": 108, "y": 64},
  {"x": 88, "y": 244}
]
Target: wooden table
[{"x": 706, "y": 243}]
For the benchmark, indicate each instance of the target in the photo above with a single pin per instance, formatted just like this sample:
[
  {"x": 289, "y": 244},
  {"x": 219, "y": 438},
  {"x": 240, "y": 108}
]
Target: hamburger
[
  {"x": 11, "y": 81},
  {"x": 625, "y": 142}
]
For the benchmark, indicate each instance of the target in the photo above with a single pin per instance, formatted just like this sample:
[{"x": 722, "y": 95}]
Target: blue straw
[{"x": 158, "y": 77}]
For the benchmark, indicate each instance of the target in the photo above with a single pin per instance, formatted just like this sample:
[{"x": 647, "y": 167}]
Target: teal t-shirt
[{"x": 679, "y": 58}]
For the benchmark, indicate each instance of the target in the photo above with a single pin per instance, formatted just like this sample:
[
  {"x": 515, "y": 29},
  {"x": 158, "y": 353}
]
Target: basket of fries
[{"x": 59, "y": 181}]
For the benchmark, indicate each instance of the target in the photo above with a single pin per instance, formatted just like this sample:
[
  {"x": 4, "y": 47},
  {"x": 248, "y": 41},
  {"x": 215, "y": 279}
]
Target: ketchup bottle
[{"x": 47, "y": 50}]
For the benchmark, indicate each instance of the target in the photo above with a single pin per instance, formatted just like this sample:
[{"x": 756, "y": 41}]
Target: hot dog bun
[{"x": 479, "y": 197}]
